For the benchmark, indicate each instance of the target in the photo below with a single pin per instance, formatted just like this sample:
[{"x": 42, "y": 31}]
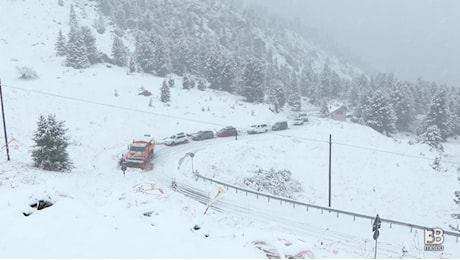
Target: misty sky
[{"x": 410, "y": 38}]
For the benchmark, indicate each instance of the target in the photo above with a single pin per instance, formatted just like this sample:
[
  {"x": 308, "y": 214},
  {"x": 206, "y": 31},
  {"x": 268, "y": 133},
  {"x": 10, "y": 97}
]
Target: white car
[
  {"x": 298, "y": 121},
  {"x": 257, "y": 129},
  {"x": 179, "y": 138}
]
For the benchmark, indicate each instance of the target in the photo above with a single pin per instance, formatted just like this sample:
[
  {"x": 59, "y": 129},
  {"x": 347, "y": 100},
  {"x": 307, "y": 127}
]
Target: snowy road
[{"x": 324, "y": 232}]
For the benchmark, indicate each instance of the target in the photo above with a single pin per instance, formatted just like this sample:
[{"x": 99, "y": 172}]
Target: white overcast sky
[{"x": 410, "y": 38}]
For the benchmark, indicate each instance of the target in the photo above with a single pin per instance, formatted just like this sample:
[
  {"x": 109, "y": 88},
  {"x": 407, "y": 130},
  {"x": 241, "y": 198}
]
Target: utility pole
[
  {"x": 330, "y": 150},
  {"x": 4, "y": 124},
  {"x": 375, "y": 228}
]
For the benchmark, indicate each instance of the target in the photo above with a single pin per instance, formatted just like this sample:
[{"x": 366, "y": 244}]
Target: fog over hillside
[
  {"x": 106, "y": 102},
  {"x": 409, "y": 38}
]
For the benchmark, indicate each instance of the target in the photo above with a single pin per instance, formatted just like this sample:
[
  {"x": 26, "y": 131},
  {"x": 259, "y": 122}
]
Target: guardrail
[{"x": 337, "y": 211}]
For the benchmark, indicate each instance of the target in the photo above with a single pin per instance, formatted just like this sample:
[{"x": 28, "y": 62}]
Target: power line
[
  {"x": 110, "y": 106},
  {"x": 220, "y": 125},
  {"x": 393, "y": 153}
]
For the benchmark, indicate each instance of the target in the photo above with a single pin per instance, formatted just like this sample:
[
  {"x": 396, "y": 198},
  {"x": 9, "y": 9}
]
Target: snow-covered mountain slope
[{"x": 98, "y": 212}]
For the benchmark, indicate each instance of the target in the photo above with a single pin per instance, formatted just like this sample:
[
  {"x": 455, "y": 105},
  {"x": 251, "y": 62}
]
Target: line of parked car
[{"x": 182, "y": 138}]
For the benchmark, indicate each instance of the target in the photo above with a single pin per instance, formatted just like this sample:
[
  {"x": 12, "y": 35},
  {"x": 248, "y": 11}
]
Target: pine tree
[
  {"x": 432, "y": 137},
  {"x": 119, "y": 52},
  {"x": 60, "y": 45},
  {"x": 144, "y": 54},
  {"x": 132, "y": 64},
  {"x": 325, "y": 90},
  {"x": 160, "y": 63},
  {"x": 272, "y": 99},
  {"x": 61, "y": 2},
  {"x": 90, "y": 44},
  {"x": 99, "y": 24},
  {"x": 438, "y": 115},
  {"x": 165, "y": 92},
  {"x": 358, "y": 85},
  {"x": 379, "y": 114},
  {"x": 293, "y": 92},
  {"x": 73, "y": 22},
  {"x": 186, "y": 82},
  {"x": 324, "y": 111},
  {"x": 212, "y": 68},
  {"x": 51, "y": 142},
  {"x": 401, "y": 99},
  {"x": 171, "y": 82},
  {"x": 76, "y": 50},
  {"x": 201, "y": 85},
  {"x": 253, "y": 81}
]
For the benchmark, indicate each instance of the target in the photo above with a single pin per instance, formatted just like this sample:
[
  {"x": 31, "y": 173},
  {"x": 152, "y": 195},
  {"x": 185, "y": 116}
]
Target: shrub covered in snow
[
  {"x": 26, "y": 73},
  {"x": 276, "y": 182}
]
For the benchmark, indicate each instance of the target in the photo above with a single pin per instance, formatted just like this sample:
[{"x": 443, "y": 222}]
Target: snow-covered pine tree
[
  {"x": 119, "y": 52},
  {"x": 120, "y": 17},
  {"x": 324, "y": 110},
  {"x": 161, "y": 66},
  {"x": 403, "y": 104},
  {"x": 90, "y": 44},
  {"x": 422, "y": 96},
  {"x": 61, "y": 2},
  {"x": 358, "y": 85},
  {"x": 272, "y": 98},
  {"x": 144, "y": 54},
  {"x": 165, "y": 92},
  {"x": 76, "y": 50},
  {"x": 212, "y": 67},
  {"x": 186, "y": 81},
  {"x": 432, "y": 137},
  {"x": 253, "y": 81},
  {"x": 454, "y": 108},
  {"x": 201, "y": 85},
  {"x": 325, "y": 90},
  {"x": 99, "y": 24},
  {"x": 292, "y": 90},
  {"x": 132, "y": 64},
  {"x": 227, "y": 73},
  {"x": 73, "y": 22},
  {"x": 379, "y": 114},
  {"x": 60, "y": 46},
  {"x": 50, "y": 149},
  {"x": 171, "y": 82},
  {"x": 438, "y": 115}
]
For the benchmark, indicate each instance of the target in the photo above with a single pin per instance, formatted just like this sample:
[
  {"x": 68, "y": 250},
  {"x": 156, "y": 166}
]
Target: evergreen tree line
[
  {"x": 238, "y": 51},
  {"x": 220, "y": 42}
]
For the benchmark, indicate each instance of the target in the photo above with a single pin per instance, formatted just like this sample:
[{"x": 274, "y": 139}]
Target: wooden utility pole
[{"x": 4, "y": 124}]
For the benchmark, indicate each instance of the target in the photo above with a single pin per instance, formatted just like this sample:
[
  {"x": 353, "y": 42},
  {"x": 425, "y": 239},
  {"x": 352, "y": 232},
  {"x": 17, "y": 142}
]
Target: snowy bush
[
  {"x": 276, "y": 182},
  {"x": 26, "y": 73}
]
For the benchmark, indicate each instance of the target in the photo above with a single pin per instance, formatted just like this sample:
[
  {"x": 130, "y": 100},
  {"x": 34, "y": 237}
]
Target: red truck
[{"x": 140, "y": 153}]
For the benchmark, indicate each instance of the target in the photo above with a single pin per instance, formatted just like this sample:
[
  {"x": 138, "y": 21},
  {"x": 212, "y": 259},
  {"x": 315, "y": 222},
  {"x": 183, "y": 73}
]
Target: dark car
[
  {"x": 280, "y": 126},
  {"x": 227, "y": 131},
  {"x": 202, "y": 135}
]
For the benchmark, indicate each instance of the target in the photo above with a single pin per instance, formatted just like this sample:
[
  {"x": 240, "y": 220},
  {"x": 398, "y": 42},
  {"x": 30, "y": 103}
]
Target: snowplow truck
[{"x": 140, "y": 153}]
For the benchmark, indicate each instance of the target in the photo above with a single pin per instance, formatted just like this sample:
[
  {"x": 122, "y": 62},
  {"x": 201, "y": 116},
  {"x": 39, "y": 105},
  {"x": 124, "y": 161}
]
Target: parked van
[
  {"x": 280, "y": 126},
  {"x": 257, "y": 129}
]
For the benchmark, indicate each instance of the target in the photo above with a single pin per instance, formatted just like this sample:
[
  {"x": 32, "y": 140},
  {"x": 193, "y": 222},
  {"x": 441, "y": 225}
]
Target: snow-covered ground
[{"x": 98, "y": 212}]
